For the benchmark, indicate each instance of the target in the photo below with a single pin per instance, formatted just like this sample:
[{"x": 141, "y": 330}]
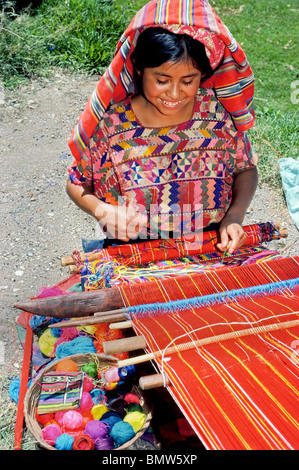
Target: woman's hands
[
  {"x": 121, "y": 222},
  {"x": 118, "y": 222},
  {"x": 232, "y": 235}
]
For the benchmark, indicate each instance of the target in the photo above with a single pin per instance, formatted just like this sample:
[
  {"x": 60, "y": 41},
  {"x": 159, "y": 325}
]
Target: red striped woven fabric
[
  {"x": 240, "y": 393},
  {"x": 199, "y": 243}
]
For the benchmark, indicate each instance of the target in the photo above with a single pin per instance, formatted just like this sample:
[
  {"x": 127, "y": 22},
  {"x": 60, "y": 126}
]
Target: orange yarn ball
[
  {"x": 67, "y": 365},
  {"x": 104, "y": 333}
]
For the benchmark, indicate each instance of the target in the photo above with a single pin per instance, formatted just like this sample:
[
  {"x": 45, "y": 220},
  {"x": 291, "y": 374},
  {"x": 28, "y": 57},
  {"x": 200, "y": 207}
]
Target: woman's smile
[{"x": 168, "y": 94}]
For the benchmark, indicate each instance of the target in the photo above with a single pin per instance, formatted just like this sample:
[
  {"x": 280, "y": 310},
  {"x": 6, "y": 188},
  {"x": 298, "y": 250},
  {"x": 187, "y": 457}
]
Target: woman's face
[{"x": 170, "y": 90}]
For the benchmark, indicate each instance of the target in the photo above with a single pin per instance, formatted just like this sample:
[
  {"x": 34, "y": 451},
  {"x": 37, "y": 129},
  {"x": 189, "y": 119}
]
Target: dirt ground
[{"x": 39, "y": 224}]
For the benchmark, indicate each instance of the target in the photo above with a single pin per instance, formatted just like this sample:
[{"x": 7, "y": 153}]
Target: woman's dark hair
[{"x": 158, "y": 45}]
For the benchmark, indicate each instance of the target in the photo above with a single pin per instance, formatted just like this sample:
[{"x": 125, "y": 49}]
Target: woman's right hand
[{"x": 121, "y": 222}]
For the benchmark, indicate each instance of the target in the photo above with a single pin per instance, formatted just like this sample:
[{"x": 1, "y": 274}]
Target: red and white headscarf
[{"x": 233, "y": 80}]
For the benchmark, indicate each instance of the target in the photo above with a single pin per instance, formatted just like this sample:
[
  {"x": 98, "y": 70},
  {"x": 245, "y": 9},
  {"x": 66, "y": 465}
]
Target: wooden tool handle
[
  {"x": 152, "y": 381},
  {"x": 124, "y": 345}
]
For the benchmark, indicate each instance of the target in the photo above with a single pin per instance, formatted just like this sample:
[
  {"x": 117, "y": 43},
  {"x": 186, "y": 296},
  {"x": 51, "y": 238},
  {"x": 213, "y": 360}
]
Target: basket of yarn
[{"x": 111, "y": 415}]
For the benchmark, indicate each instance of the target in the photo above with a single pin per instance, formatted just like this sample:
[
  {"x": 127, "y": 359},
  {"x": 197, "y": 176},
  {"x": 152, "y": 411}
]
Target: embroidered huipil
[{"x": 182, "y": 175}]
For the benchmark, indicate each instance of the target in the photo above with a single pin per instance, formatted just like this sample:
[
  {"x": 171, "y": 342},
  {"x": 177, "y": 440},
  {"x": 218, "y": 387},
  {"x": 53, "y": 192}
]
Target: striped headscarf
[{"x": 232, "y": 81}]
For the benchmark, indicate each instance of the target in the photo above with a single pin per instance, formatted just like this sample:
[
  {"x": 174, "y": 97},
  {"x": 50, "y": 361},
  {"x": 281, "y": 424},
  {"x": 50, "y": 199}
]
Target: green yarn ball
[{"x": 91, "y": 369}]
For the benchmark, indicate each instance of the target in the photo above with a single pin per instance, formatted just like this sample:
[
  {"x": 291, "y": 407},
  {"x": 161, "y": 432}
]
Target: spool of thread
[
  {"x": 111, "y": 375},
  {"x": 44, "y": 419},
  {"x": 64, "y": 442},
  {"x": 106, "y": 443},
  {"x": 131, "y": 398},
  {"x": 67, "y": 365},
  {"x": 111, "y": 418},
  {"x": 134, "y": 407},
  {"x": 72, "y": 420},
  {"x": 96, "y": 429},
  {"x": 135, "y": 419},
  {"x": 83, "y": 442},
  {"x": 122, "y": 432},
  {"x": 86, "y": 402},
  {"x": 87, "y": 416},
  {"x": 127, "y": 372},
  {"x": 50, "y": 433},
  {"x": 91, "y": 369},
  {"x": 97, "y": 411}
]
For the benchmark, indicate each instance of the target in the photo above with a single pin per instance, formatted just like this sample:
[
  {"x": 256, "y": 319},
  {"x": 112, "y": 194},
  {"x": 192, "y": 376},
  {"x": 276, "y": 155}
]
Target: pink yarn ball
[
  {"x": 111, "y": 375},
  {"x": 59, "y": 416},
  {"x": 50, "y": 433},
  {"x": 72, "y": 419},
  {"x": 88, "y": 384},
  {"x": 86, "y": 402},
  {"x": 131, "y": 398},
  {"x": 96, "y": 429}
]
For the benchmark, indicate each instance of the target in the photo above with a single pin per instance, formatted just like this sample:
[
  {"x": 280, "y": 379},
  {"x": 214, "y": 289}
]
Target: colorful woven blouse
[{"x": 181, "y": 176}]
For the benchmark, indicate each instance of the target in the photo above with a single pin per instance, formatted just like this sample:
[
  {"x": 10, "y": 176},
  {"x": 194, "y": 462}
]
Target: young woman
[{"x": 168, "y": 159}]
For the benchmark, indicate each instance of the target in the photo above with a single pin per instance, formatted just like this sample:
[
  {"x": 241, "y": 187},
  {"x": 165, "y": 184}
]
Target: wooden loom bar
[
  {"x": 209, "y": 340},
  {"x": 93, "y": 320},
  {"x": 117, "y": 346}
]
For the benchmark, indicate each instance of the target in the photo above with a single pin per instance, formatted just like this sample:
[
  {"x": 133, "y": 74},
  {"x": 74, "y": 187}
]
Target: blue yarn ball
[
  {"x": 14, "y": 390},
  {"x": 97, "y": 395},
  {"x": 122, "y": 432},
  {"x": 111, "y": 418},
  {"x": 64, "y": 442},
  {"x": 79, "y": 345}
]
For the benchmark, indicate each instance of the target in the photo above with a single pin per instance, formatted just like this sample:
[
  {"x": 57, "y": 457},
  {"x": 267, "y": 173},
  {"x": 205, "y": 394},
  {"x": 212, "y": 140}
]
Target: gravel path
[{"x": 39, "y": 223}]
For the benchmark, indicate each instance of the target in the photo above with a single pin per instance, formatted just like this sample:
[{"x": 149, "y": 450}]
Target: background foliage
[{"x": 81, "y": 35}]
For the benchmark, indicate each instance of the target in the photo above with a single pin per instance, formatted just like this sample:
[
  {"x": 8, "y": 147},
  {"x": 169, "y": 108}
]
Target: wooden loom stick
[
  {"x": 93, "y": 320},
  {"x": 117, "y": 346},
  {"x": 209, "y": 340},
  {"x": 122, "y": 325},
  {"x": 77, "y": 304}
]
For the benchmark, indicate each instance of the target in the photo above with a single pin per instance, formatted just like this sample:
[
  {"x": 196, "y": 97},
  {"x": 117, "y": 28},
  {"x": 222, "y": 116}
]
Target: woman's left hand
[{"x": 232, "y": 235}]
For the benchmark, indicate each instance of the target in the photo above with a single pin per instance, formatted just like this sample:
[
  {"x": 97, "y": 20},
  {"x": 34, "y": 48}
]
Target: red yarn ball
[
  {"x": 88, "y": 384},
  {"x": 83, "y": 442},
  {"x": 44, "y": 419},
  {"x": 131, "y": 398}
]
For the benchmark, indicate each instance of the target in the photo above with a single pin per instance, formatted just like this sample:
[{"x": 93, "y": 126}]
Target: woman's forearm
[
  {"x": 244, "y": 187},
  {"x": 84, "y": 198}
]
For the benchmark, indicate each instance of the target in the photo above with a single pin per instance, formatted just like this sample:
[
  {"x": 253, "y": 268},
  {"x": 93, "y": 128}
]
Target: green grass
[{"x": 81, "y": 35}]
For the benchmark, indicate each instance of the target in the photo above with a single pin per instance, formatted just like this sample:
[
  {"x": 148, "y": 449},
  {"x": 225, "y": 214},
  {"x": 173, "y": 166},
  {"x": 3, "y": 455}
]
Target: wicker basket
[{"x": 33, "y": 393}]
